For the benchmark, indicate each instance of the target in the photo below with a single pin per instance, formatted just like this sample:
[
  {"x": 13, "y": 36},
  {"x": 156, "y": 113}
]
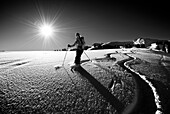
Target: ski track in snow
[
  {"x": 7, "y": 66},
  {"x": 157, "y": 101}
]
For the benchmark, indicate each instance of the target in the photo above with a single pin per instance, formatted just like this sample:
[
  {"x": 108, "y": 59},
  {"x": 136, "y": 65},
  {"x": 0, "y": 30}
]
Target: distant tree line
[
  {"x": 112, "y": 45},
  {"x": 2, "y": 50},
  {"x": 163, "y": 45}
]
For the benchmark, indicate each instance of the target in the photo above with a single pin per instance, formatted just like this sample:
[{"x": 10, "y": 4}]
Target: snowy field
[{"x": 29, "y": 83}]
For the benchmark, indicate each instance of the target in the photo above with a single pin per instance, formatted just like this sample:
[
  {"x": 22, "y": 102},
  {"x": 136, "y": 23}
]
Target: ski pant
[{"x": 78, "y": 56}]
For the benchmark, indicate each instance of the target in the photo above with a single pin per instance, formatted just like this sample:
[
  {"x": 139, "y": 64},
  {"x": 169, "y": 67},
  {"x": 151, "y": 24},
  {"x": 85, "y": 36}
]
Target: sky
[{"x": 96, "y": 20}]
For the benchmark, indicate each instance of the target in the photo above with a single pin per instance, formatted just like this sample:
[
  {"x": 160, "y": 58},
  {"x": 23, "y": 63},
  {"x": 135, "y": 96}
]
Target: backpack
[{"x": 81, "y": 42}]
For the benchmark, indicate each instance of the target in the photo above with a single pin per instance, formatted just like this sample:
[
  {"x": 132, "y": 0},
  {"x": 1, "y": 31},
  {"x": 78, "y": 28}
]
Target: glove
[{"x": 69, "y": 45}]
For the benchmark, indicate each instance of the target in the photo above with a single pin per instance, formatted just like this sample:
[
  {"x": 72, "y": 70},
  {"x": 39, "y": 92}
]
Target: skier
[{"x": 80, "y": 43}]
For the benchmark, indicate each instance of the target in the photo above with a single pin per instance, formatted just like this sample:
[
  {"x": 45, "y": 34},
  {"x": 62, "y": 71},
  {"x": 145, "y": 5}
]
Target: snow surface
[{"x": 23, "y": 73}]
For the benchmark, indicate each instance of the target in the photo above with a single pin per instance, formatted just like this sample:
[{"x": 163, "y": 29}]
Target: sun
[{"x": 46, "y": 30}]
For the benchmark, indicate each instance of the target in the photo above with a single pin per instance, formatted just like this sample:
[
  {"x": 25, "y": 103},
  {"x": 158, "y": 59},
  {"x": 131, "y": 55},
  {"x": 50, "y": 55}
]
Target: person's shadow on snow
[{"x": 102, "y": 90}]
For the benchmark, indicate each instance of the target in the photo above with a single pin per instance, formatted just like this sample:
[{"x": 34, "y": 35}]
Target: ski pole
[
  {"x": 65, "y": 56},
  {"x": 87, "y": 56},
  {"x": 66, "y": 69},
  {"x": 69, "y": 76}
]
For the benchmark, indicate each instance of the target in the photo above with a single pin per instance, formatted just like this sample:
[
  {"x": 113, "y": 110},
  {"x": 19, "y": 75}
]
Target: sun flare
[{"x": 46, "y": 30}]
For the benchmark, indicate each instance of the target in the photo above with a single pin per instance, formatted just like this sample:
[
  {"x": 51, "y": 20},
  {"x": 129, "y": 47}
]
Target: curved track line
[{"x": 156, "y": 96}]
